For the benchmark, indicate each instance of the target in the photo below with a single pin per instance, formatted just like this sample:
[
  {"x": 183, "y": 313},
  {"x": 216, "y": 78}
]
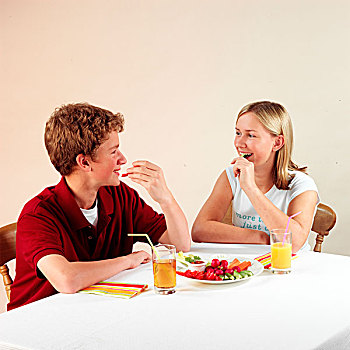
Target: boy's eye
[
  {"x": 238, "y": 133},
  {"x": 114, "y": 152},
  {"x": 251, "y": 135}
]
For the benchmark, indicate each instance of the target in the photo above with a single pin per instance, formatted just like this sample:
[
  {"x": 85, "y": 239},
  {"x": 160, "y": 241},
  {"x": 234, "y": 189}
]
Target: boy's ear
[
  {"x": 279, "y": 142},
  {"x": 83, "y": 162}
]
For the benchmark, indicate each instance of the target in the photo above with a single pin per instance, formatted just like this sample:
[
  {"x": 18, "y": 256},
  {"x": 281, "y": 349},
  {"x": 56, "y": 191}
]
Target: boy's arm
[
  {"x": 70, "y": 277},
  {"x": 151, "y": 177},
  {"x": 177, "y": 228}
]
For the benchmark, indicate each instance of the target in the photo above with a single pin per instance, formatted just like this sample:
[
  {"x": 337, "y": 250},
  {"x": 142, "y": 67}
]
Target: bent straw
[
  {"x": 149, "y": 240},
  {"x": 289, "y": 218}
]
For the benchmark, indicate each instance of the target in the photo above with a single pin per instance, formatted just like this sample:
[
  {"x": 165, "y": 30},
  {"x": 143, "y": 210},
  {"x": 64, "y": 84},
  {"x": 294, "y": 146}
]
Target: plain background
[{"x": 180, "y": 71}]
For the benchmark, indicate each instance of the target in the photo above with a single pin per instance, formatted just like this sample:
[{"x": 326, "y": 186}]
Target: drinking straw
[
  {"x": 149, "y": 240},
  {"x": 289, "y": 218}
]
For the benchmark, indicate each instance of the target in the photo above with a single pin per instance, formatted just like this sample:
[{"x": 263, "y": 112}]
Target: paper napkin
[
  {"x": 116, "y": 290},
  {"x": 266, "y": 259}
]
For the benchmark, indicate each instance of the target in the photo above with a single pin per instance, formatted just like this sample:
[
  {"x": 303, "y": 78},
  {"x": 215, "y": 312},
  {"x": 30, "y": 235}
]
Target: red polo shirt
[{"x": 52, "y": 223}]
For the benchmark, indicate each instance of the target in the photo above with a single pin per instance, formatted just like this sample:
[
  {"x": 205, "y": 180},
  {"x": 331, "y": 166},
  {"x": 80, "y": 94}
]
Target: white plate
[{"x": 257, "y": 268}]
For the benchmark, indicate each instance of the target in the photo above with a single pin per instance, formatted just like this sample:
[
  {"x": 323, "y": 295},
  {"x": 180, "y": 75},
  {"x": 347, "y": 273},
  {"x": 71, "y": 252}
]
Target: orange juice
[
  {"x": 281, "y": 255},
  {"x": 164, "y": 273}
]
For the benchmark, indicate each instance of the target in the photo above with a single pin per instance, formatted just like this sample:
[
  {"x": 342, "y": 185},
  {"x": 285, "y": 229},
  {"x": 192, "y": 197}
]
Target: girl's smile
[{"x": 254, "y": 142}]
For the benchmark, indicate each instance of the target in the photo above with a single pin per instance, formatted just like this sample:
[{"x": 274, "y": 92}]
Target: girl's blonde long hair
[{"x": 277, "y": 121}]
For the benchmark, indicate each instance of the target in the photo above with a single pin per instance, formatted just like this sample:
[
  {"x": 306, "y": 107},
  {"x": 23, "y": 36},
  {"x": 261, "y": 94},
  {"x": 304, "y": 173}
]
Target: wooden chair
[
  {"x": 324, "y": 221},
  {"x": 7, "y": 253}
]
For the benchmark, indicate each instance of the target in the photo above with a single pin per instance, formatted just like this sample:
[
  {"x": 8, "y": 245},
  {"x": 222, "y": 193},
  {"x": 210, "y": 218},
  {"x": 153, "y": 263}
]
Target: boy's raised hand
[{"x": 151, "y": 177}]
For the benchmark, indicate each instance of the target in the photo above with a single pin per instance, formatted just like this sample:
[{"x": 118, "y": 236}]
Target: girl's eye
[
  {"x": 114, "y": 152},
  {"x": 238, "y": 133},
  {"x": 251, "y": 135}
]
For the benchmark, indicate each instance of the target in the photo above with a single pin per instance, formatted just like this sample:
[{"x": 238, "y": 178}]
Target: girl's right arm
[{"x": 208, "y": 226}]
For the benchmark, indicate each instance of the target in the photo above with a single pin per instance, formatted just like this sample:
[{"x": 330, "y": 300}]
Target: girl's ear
[
  {"x": 278, "y": 143},
  {"x": 83, "y": 162}
]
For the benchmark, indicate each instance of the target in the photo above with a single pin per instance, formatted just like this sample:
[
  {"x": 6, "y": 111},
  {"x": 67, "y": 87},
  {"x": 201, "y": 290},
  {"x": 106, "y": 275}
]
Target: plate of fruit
[{"x": 224, "y": 270}]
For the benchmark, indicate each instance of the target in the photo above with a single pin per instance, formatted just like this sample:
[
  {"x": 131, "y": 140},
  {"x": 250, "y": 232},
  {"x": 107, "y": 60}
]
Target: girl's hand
[
  {"x": 151, "y": 177},
  {"x": 244, "y": 169}
]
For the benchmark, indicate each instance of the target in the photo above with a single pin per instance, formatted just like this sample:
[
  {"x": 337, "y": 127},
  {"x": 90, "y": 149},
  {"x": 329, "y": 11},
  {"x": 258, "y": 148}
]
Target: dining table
[{"x": 308, "y": 308}]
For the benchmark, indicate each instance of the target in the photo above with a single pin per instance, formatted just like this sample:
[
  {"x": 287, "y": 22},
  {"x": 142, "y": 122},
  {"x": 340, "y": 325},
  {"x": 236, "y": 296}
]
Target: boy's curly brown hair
[{"x": 75, "y": 129}]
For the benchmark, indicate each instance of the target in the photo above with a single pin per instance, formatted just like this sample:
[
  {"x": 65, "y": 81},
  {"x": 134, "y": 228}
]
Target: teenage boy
[{"x": 75, "y": 234}]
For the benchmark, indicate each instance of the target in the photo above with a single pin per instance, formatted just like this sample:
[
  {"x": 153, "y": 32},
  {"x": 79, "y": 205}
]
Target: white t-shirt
[
  {"x": 243, "y": 213},
  {"x": 91, "y": 215}
]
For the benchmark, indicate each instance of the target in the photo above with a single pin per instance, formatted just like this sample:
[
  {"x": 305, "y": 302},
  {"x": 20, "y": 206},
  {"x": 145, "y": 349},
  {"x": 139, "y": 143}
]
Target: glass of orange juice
[
  {"x": 164, "y": 269},
  {"x": 281, "y": 251}
]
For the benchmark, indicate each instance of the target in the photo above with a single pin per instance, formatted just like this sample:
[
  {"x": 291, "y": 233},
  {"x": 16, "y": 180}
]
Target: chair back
[
  {"x": 7, "y": 253},
  {"x": 324, "y": 221}
]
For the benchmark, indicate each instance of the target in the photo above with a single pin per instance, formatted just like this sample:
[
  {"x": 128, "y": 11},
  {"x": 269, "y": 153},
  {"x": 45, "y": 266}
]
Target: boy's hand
[
  {"x": 138, "y": 258},
  {"x": 151, "y": 177}
]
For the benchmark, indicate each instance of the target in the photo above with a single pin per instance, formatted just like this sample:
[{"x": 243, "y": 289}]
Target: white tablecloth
[{"x": 307, "y": 309}]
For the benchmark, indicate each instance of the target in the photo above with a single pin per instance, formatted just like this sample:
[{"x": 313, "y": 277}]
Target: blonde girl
[{"x": 263, "y": 184}]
